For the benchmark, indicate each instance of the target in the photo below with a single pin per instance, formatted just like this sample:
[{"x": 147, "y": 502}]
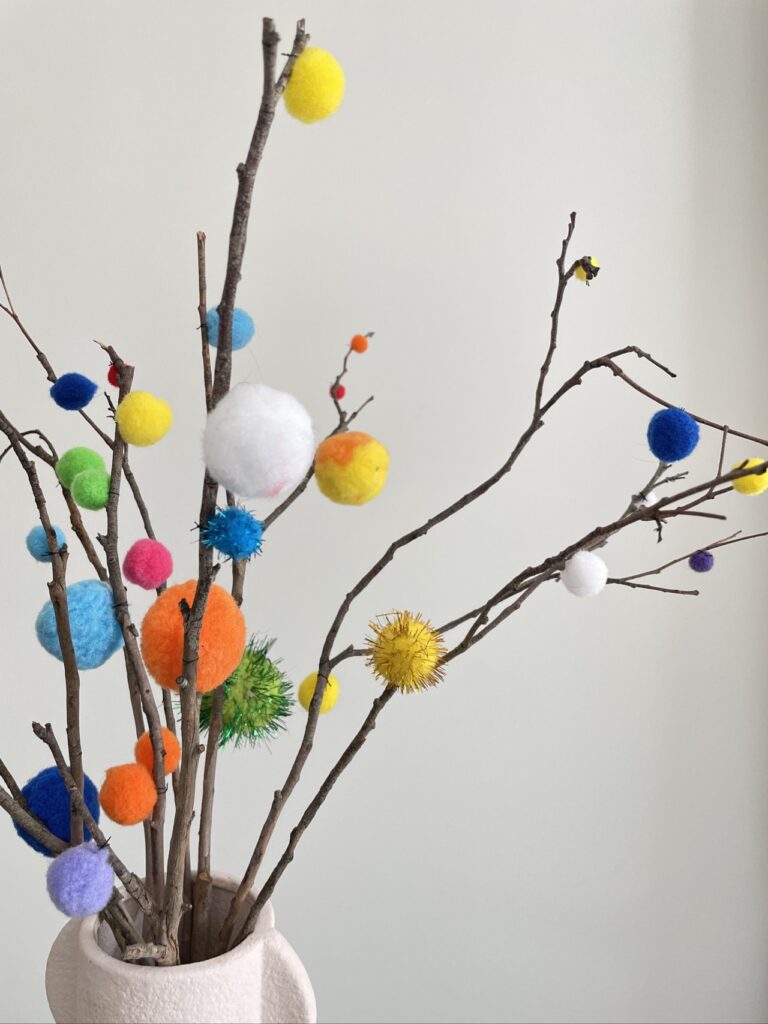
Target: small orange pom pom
[
  {"x": 359, "y": 343},
  {"x": 222, "y": 637},
  {"x": 128, "y": 794},
  {"x": 145, "y": 754}
]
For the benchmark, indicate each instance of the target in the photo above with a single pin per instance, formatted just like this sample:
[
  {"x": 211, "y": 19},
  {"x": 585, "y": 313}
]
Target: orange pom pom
[
  {"x": 128, "y": 794},
  {"x": 222, "y": 637},
  {"x": 145, "y": 754},
  {"x": 359, "y": 343}
]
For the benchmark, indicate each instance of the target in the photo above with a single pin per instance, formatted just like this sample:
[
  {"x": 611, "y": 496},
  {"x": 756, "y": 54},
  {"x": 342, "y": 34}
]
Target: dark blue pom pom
[
  {"x": 701, "y": 561},
  {"x": 73, "y": 391},
  {"x": 234, "y": 532},
  {"x": 243, "y": 328},
  {"x": 672, "y": 434},
  {"x": 47, "y": 799}
]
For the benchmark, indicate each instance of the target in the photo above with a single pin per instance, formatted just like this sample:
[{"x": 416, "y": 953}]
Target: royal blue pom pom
[
  {"x": 96, "y": 633},
  {"x": 243, "y": 328},
  {"x": 80, "y": 880},
  {"x": 701, "y": 561},
  {"x": 234, "y": 532},
  {"x": 37, "y": 543},
  {"x": 672, "y": 434},
  {"x": 73, "y": 391},
  {"x": 47, "y": 798}
]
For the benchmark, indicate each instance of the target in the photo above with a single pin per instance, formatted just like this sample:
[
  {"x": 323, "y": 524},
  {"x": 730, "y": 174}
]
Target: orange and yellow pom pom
[
  {"x": 405, "y": 651},
  {"x": 359, "y": 344},
  {"x": 351, "y": 468},
  {"x": 316, "y": 86},
  {"x": 128, "y": 794},
  {"x": 145, "y": 754},
  {"x": 754, "y": 483},
  {"x": 222, "y": 637},
  {"x": 330, "y": 693}
]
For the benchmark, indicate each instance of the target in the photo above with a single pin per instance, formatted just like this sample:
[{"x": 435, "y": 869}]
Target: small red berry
[
  {"x": 112, "y": 376},
  {"x": 338, "y": 392},
  {"x": 359, "y": 343}
]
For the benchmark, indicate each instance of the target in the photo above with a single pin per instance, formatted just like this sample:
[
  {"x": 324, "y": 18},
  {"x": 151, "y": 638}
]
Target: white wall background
[{"x": 574, "y": 827}]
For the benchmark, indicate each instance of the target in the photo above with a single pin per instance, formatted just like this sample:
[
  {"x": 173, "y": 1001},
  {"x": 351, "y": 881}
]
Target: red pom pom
[
  {"x": 338, "y": 392},
  {"x": 112, "y": 376}
]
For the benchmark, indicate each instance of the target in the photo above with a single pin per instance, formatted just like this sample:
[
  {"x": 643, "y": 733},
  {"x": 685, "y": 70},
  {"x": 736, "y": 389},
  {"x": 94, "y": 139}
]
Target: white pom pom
[
  {"x": 258, "y": 442},
  {"x": 584, "y": 574},
  {"x": 650, "y": 499}
]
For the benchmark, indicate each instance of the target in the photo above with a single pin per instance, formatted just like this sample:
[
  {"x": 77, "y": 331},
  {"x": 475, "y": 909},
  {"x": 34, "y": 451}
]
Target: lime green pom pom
[
  {"x": 256, "y": 699},
  {"x": 90, "y": 489},
  {"x": 316, "y": 86},
  {"x": 75, "y": 461}
]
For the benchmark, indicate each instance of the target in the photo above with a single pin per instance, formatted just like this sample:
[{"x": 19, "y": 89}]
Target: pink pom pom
[{"x": 148, "y": 563}]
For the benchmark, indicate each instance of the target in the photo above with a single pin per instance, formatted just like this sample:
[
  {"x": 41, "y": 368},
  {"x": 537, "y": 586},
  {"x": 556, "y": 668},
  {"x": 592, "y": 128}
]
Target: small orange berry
[{"x": 359, "y": 343}]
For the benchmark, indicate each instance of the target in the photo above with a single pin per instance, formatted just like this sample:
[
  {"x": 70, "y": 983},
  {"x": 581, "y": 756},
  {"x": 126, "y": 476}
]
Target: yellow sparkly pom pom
[
  {"x": 316, "y": 86},
  {"x": 330, "y": 693},
  {"x": 586, "y": 275},
  {"x": 351, "y": 468},
  {"x": 405, "y": 651},
  {"x": 755, "y": 483},
  {"x": 143, "y": 418}
]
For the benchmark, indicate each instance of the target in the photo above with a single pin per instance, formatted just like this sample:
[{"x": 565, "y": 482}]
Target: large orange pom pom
[
  {"x": 128, "y": 794},
  {"x": 222, "y": 637},
  {"x": 145, "y": 754}
]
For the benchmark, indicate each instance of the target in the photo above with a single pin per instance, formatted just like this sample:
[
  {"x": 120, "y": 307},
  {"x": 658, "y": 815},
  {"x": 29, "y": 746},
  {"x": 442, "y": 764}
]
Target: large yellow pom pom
[
  {"x": 405, "y": 651},
  {"x": 316, "y": 86},
  {"x": 351, "y": 468},
  {"x": 330, "y": 693},
  {"x": 755, "y": 483},
  {"x": 143, "y": 418}
]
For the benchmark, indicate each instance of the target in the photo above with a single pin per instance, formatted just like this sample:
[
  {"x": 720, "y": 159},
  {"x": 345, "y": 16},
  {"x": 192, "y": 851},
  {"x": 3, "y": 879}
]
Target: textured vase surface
[{"x": 261, "y": 981}]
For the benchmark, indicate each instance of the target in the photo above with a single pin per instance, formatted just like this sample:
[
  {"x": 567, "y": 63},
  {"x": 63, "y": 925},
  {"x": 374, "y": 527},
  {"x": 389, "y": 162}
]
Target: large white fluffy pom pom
[
  {"x": 258, "y": 442},
  {"x": 584, "y": 574}
]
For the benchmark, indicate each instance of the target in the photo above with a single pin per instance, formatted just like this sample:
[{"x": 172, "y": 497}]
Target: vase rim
[{"x": 90, "y": 947}]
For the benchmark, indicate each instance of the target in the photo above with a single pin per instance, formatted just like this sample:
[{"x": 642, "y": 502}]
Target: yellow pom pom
[
  {"x": 755, "y": 483},
  {"x": 316, "y": 86},
  {"x": 406, "y": 652},
  {"x": 143, "y": 418},
  {"x": 351, "y": 468},
  {"x": 330, "y": 693},
  {"x": 584, "y": 275}
]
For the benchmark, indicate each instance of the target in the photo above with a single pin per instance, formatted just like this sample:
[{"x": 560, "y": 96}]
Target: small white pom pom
[
  {"x": 650, "y": 499},
  {"x": 258, "y": 442},
  {"x": 584, "y": 574}
]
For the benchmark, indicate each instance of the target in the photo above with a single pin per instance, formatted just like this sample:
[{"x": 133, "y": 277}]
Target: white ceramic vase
[{"x": 261, "y": 981}]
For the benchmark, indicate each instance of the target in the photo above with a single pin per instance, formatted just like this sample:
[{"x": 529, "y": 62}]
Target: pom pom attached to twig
[
  {"x": 243, "y": 328},
  {"x": 351, "y": 468},
  {"x": 73, "y": 391},
  {"x": 37, "y": 543},
  {"x": 257, "y": 699},
  {"x": 585, "y": 574},
  {"x": 90, "y": 489},
  {"x": 147, "y": 564},
  {"x": 143, "y": 419},
  {"x": 330, "y": 693},
  {"x": 701, "y": 561},
  {"x": 80, "y": 880},
  {"x": 587, "y": 269},
  {"x": 753, "y": 483},
  {"x": 145, "y": 753},
  {"x": 77, "y": 460},
  {"x": 96, "y": 632},
  {"x": 405, "y": 651},
  {"x": 672, "y": 434},
  {"x": 234, "y": 532},
  {"x": 128, "y": 794},
  {"x": 47, "y": 798},
  {"x": 316, "y": 86}
]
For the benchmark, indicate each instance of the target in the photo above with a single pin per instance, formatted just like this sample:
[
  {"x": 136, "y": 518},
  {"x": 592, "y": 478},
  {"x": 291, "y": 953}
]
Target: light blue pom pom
[
  {"x": 234, "y": 532},
  {"x": 80, "y": 880},
  {"x": 37, "y": 543},
  {"x": 96, "y": 633},
  {"x": 243, "y": 328}
]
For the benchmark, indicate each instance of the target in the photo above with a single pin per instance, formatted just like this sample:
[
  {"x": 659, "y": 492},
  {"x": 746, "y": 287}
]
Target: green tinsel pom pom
[{"x": 256, "y": 698}]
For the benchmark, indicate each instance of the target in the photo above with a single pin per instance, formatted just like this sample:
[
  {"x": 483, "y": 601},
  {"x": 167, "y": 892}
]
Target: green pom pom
[
  {"x": 75, "y": 461},
  {"x": 256, "y": 699},
  {"x": 90, "y": 489}
]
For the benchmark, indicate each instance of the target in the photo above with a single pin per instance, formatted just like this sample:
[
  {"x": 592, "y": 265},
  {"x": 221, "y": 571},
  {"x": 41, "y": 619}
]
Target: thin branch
[
  {"x": 648, "y": 586},
  {"x": 563, "y": 278}
]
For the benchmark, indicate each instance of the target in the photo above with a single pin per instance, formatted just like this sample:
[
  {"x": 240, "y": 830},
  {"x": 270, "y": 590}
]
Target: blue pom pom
[
  {"x": 37, "y": 543},
  {"x": 234, "y": 532},
  {"x": 672, "y": 434},
  {"x": 48, "y": 799},
  {"x": 701, "y": 561},
  {"x": 96, "y": 633},
  {"x": 243, "y": 328},
  {"x": 73, "y": 391},
  {"x": 80, "y": 880}
]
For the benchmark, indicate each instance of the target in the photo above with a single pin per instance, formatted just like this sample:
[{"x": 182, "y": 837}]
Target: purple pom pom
[
  {"x": 73, "y": 391},
  {"x": 701, "y": 561},
  {"x": 80, "y": 880}
]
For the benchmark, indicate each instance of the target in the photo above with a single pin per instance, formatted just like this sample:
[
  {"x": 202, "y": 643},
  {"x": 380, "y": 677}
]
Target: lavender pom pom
[
  {"x": 80, "y": 880},
  {"x": 701, "y": 561}
]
